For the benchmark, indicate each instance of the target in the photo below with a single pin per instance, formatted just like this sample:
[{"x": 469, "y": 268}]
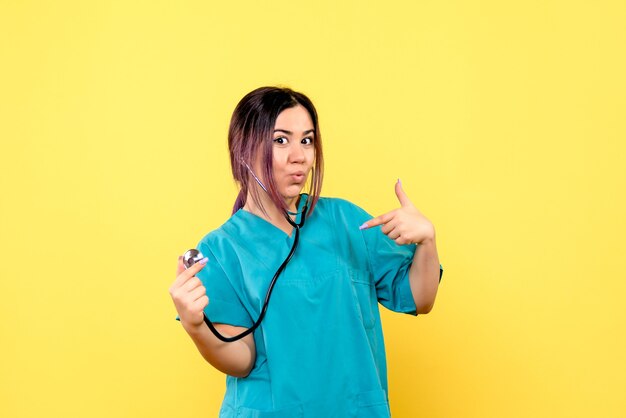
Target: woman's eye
[
  {"x": 307, "y": 141},
  {"x": 280, "y": 140}
]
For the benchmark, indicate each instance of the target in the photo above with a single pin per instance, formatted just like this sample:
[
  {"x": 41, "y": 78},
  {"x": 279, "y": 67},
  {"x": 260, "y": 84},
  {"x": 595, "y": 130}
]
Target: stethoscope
[{"x": 193, "y": 256}]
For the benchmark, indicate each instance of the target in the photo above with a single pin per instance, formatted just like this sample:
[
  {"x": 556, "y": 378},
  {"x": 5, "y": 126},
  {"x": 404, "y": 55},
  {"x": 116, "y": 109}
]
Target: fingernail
[
  {"x": 204, "y": 260},
  {"x": 363, "y": 226},
  {"x": 180, "y": 257},
  {"x": 400, "y": 182}
]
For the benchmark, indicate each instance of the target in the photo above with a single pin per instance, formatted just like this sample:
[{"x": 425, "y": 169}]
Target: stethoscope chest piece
[{"x": 191, "y": 257}]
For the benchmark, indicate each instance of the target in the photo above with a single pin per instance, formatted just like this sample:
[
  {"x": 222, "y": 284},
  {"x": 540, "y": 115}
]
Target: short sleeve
[
  {"x": 225, "y": 306},
  {"x": 390, "y": 264}
]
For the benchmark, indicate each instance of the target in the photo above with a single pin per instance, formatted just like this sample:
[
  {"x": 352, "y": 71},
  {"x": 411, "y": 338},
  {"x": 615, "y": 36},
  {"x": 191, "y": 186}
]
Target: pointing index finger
[{"x": 379, "y": 220}]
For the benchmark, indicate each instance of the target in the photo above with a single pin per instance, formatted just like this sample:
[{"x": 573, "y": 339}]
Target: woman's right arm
[{"x": 189, "y": 296}]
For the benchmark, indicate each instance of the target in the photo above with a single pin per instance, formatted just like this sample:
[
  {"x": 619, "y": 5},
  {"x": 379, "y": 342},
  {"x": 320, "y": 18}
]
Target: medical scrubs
[{"x": 320, "y": 349}]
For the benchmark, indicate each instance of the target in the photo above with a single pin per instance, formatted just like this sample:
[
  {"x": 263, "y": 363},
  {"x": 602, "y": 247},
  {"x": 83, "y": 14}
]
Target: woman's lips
[{"x": 298, "y": 177}]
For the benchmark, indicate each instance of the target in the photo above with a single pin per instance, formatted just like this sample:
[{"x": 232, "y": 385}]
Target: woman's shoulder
[{"x": 220, "y": 235}]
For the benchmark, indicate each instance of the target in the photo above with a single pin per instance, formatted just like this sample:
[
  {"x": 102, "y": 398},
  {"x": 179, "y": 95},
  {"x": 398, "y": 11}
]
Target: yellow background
[{"x": 504, "y": 120}]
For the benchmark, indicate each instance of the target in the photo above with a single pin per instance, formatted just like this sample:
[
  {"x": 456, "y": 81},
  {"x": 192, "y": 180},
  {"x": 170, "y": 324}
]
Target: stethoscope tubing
[{"x": 268, "y": 295}]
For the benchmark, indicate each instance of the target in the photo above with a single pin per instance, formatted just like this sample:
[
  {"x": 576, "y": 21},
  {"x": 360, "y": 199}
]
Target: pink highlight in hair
[{"x": 250, "y": 133}]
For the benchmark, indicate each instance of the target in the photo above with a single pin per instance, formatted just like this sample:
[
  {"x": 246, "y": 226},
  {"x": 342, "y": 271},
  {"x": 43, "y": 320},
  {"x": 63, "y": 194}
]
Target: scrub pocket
[{"x": 364, "y": 295}]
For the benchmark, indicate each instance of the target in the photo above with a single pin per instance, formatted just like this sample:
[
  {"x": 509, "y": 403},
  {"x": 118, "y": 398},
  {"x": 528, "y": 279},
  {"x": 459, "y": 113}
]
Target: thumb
[{"x": 402, "y": 197}]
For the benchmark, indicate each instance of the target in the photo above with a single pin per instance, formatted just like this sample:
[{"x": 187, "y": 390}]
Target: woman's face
[{"x": 293, "y": 150}]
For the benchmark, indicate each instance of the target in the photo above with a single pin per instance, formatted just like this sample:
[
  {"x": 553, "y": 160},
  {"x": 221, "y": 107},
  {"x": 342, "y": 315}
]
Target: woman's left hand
[{"x": 405, "y": 225}]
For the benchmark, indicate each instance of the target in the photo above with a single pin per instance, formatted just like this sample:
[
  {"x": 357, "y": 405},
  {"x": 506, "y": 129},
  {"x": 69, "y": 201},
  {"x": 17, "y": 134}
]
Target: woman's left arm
[
  {"x": 424, "y": 275},
  {"x": 407, "y": 225}
]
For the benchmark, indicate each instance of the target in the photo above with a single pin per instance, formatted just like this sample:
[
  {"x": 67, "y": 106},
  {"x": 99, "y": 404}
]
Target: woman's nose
[{"x": 296, "y": 153}]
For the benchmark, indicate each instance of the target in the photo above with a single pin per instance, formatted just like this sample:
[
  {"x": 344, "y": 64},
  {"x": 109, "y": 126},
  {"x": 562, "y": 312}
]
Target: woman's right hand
[{"x": 188, "y": 294}]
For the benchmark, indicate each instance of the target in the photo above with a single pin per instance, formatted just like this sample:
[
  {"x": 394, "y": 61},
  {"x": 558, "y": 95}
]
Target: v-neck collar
[{"x": 262, "y": 227}]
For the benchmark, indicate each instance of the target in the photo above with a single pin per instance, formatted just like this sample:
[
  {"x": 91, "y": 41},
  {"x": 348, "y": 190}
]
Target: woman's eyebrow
[{"x": 291, "y": 133}]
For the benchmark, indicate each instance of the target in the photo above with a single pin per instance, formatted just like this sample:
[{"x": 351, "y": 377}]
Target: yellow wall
[{"x": 504, "y": 120}]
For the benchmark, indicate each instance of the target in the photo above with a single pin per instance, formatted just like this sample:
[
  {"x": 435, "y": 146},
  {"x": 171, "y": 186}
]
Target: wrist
[
  {"x": 191, "y": 328},
  {"x": 428, "y": 241}
]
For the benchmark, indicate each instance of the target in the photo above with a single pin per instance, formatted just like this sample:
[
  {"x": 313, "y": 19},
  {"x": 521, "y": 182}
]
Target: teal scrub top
[{"x": 319, "y": 350}]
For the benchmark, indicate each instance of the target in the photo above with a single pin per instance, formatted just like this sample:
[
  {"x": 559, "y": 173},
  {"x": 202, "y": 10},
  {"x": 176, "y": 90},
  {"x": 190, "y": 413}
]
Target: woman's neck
[{"x": 272, "y": 214}]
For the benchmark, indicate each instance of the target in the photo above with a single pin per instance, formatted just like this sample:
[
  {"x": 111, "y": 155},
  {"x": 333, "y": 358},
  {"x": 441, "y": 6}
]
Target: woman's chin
[{"x": 292, "y": 192}]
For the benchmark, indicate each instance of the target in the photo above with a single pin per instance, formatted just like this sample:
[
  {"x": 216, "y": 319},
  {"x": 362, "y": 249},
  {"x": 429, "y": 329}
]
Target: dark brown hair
[{"x": 251, "y": 132}]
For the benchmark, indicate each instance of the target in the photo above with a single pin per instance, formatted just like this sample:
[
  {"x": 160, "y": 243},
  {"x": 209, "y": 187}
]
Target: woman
[{"x": 319, "y": 351}]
